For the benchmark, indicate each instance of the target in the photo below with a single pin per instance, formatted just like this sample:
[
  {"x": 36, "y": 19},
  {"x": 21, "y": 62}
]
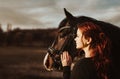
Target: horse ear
[{"x": 68, "y": 14}]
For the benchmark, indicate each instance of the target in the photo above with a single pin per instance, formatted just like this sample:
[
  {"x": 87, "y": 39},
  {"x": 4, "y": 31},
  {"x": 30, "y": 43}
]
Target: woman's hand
[{"x": 66, "y": 59}]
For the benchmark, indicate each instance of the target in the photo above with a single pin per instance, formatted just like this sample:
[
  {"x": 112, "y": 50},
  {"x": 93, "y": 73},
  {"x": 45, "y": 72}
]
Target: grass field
[{"x": 24, "y": 63}]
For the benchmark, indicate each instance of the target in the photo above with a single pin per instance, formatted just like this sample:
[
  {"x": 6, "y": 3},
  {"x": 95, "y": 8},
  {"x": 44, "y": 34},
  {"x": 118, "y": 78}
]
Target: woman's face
[{"x": 78, "y": 39}]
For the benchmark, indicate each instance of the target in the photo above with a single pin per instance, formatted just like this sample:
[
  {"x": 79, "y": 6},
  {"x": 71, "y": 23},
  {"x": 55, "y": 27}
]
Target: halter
[
  {"x": 52, "y": 51},
  {"x": 62, "y": 28}
]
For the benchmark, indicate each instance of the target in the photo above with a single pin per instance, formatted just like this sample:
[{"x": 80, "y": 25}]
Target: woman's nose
[{"x": 75, "y": 39}]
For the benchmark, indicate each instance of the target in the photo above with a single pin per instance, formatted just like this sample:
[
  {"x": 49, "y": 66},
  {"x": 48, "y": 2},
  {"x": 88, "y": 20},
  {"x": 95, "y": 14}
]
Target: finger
[
  {"x": 64, "y": 55},
  {"x": 61, "y": 57},
  {"x": 67, "y": 55}
]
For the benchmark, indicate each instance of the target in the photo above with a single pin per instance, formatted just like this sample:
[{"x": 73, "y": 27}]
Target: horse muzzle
[{"x": 52, "y": 60}]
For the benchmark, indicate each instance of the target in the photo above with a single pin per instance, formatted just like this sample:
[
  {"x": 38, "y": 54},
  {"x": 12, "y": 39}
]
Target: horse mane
[{"x": 109, "y": 29}]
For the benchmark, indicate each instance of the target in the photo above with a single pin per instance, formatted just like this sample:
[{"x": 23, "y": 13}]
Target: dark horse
[{"x": 65, "y": 42}]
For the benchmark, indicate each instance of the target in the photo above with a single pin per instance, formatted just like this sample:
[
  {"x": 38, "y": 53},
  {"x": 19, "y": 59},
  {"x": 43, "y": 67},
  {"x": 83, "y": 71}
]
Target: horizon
[
  {"x": 5, "y": 28},
  {"x": 35, "y": 14}
]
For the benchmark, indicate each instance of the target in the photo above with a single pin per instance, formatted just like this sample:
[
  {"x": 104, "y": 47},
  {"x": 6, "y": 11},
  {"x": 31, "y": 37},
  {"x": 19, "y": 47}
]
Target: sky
[{"x": 34, "y": 14}]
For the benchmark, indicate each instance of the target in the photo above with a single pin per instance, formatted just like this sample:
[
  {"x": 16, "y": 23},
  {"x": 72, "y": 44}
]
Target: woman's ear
[{"x": 88, "y": 40}]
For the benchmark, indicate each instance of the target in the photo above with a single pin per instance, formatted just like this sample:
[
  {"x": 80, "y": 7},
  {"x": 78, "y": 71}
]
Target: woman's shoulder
[
  {"x": 85, "y": 62},
  {"x": 85, "y": 69}
]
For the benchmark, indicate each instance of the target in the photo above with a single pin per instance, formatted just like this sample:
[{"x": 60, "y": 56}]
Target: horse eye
[
  {"x": 64, "y": 32},
  {"x": 61, "y": 35}
]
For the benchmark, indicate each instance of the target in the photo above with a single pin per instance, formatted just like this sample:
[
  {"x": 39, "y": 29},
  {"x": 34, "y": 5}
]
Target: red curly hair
[{"x": 101, "y": 44}]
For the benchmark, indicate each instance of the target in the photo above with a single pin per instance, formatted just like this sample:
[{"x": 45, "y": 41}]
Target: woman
[{"x": 95, "y": 45}]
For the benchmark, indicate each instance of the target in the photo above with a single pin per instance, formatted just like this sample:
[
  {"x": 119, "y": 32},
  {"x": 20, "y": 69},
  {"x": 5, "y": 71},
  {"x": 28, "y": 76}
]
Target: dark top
[{"x": 83, "y": 69}]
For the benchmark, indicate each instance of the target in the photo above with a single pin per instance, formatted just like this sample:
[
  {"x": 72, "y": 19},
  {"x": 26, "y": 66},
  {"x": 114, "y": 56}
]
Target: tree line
[{"x": 33, "y": 37}]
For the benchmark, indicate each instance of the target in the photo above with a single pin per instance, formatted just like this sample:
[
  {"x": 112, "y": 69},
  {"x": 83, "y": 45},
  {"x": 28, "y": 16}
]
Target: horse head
[{"x": 63, "y": 42}]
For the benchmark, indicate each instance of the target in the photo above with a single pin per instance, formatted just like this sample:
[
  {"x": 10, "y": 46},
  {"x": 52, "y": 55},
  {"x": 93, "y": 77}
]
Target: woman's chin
[{"x": 77, "y": 47}]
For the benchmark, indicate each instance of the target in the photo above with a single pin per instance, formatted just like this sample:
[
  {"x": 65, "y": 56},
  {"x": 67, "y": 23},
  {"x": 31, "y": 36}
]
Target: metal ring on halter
[{"x": 52, "y": 50}]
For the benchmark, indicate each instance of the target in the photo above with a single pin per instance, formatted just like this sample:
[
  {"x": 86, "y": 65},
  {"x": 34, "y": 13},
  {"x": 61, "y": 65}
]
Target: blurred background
[{"x": 28, "y": 27}]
